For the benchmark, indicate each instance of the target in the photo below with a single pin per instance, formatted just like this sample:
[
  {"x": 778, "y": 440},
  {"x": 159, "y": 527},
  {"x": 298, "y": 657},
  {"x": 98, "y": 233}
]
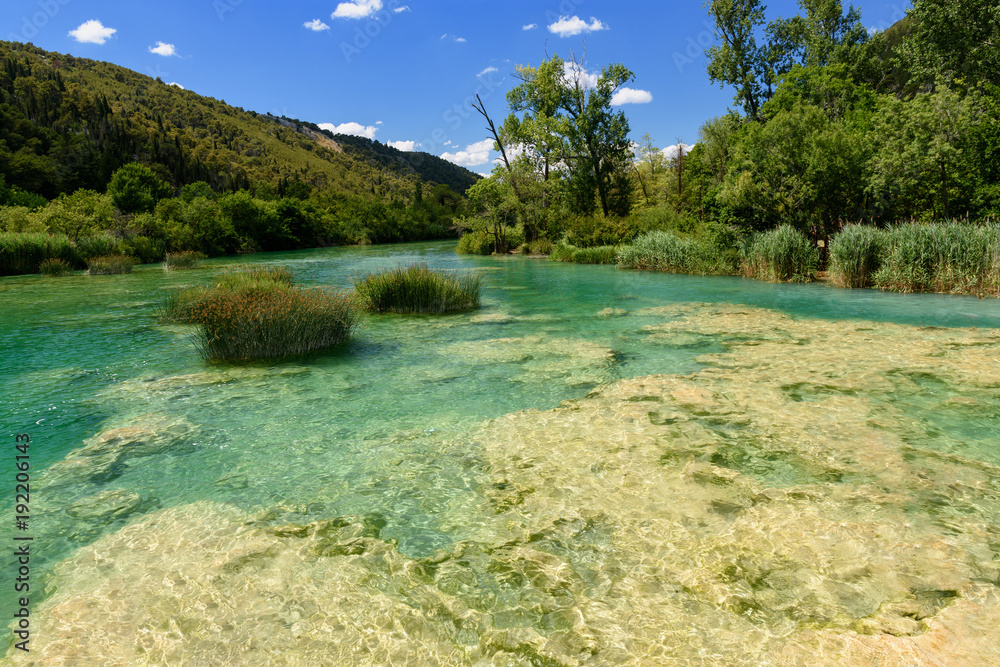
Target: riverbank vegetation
[
  {"x": 835, "y": 128},
  {"x": 92, "y": 150}
]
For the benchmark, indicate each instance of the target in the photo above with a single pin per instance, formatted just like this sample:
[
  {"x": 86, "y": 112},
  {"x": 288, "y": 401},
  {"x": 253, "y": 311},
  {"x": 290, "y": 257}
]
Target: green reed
[
  {"x": 780, "y": 255},
  {"x": 22, "y": 253},
  {"x": 54, "y": 267},
  {"x": 107, "y": 265},
  {"x": 668, "y": 252},
  {"x": 241, "y": 325},
  {"x": 953, "y": 257},
  {"x": 418, "y": 289},
  {"x": 856, "y": 255},
  {"x": 188, "y": 259}
]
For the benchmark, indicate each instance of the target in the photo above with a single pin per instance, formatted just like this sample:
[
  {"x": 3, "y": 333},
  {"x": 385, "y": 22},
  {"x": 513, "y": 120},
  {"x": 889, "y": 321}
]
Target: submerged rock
[{"x": 792, "y": 503}]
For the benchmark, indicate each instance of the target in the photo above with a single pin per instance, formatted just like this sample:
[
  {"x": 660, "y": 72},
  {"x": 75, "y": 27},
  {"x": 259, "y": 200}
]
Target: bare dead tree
[{"x": 481, "y": 108}]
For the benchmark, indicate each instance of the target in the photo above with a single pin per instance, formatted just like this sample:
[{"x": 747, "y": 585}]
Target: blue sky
[{"x": 401, "y": 71}]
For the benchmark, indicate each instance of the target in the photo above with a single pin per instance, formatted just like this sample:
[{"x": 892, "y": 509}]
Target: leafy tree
[
  {"x": 922, "y": 166},
  {"x": 959, "y": 41},
  {"x": 564, "y": 113},
  {"x": 493, "y": 206},
  {"x": 136, "y": 189},
  {"x": 825, "y": 34},
  {"x": 738, "y": 60}
]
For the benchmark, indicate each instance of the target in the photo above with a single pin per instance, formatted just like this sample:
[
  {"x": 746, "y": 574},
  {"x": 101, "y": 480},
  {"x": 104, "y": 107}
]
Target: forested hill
[{"x": 68, "y": 123}]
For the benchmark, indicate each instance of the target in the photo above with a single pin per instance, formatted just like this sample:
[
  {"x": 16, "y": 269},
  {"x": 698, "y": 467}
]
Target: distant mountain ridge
[
  {"x": 68, "y": 123},
  {"x": 430, "y": 168}
]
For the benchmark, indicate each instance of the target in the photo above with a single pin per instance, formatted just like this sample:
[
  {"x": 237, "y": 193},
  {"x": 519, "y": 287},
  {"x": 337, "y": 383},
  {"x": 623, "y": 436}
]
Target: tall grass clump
[
  {"x": 856, "y": 255},
  {"x": 953, "y": 257},
  {"x": 22, "y": 253},
  {"x": 240, "y": 325},
  {"x": 98, "y": 245},
  {"x": 668, "y": 252},
  {"x": 187, "y": 259},
  {"x": 418, "y": 289},
  {"x": 562, "y": 251},
  {"x": 54, "y": 267},
  {"x": 107, "y": 265},
  {"x": 257, "y": 277},
  {"x": 605, "y": 254},
  {"x": 780, "y": 255},
  {"x": 540, "y": 246},
  {"x": 254, "y": 312}
]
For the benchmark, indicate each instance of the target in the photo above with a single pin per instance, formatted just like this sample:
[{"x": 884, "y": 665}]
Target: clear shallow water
[{"x": 801, "y": 392}]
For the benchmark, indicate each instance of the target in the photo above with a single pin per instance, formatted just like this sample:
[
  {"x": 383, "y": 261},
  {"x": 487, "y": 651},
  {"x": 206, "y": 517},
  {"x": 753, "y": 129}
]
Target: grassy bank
[{"x": 949, "y": 257}]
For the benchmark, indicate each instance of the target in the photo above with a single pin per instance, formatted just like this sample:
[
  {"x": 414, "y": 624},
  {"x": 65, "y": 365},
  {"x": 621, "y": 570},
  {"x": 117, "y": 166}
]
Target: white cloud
[
  {"x": 407, "y": 146},
  {"x": 575, "y": 72},
  {"x": 92, "y": 32},
  {"x": 488, "y": 70},
  {"x": 460, "y": 40},
  {"x": 316, "y": 25},
  {"x": 355, "y": 129},
  {"x": 176, "y": 85},
  {"x": 356, "y": 9},
  {"x": 530, "y": 26},
  {"x": 670, "y": 152},
  {"x": 631, "y": 96},
  {"x": 404, "y": 8},
  {"x": 473, "y": 155},
  {"x": 163, "y": 49},
  {"x": 378, "y": 122},
  {"x": 457, "y": 39},
  {"x": 568, "y": 27}
]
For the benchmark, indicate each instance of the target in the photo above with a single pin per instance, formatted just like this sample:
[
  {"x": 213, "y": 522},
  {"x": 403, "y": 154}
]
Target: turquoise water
[{"x": 386, "y": 427}]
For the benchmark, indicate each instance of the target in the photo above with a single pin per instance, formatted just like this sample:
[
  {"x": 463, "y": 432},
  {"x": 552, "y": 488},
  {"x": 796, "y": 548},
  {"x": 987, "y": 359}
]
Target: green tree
[
  {"x": 921, "y": 167},
  {"x": 134, "y": 188},
  {"x": 738, "y": 60},
  {"x": 959, "y": 41},
  {"x": 567, "y": 117}
]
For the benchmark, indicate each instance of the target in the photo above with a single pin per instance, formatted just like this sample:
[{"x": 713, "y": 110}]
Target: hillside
[{"x": 68, "y": 123}]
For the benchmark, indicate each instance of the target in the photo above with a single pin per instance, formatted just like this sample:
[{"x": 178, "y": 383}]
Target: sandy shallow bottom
[{"x": 821, "y": 493}]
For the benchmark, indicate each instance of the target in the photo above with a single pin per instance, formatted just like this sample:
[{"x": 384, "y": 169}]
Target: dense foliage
[
  {"x": 90, "y": 149},
  {"x": 832, "y": 125}
]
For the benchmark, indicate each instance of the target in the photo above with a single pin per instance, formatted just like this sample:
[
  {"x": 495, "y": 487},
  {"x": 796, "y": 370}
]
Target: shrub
[
  {"x": 475, "y": 243},
  {"x": 53, "y": 266},
  {"x": 110, "y": 264},
  {"x": 856, "y": 255},
  {"x": 780, "y": 255},
  {"x": 539, "y": 247},
  {"x": 147, "y": 250},
  {"x": 418, "y": 289},
  {"x": 187, "y": 259},
  {"x": 22, "y": 253},
  {"x": 241, "y": 325},
  {"x": 666, "y": 251}
]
